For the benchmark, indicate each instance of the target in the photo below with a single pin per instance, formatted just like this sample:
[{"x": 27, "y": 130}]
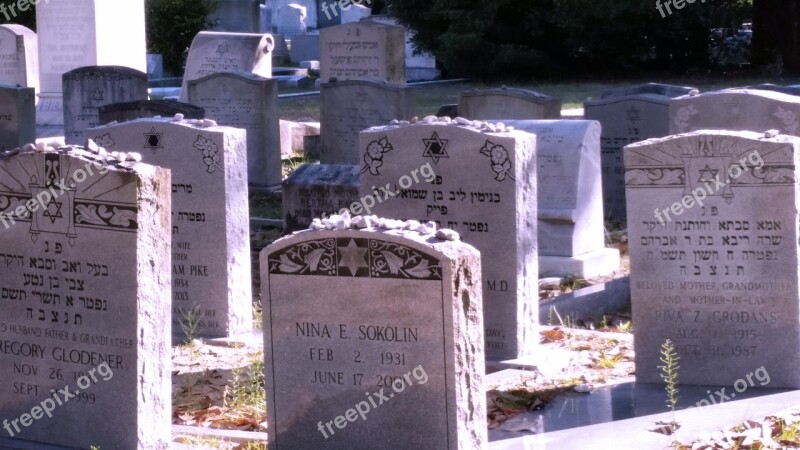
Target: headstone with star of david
[
  {"x": 85, "y": 255},
  {"x": 363, "y": 50},
  {"x": 736, "y": 109},
  {"x": 626, "y": 115},
  {"x": 244, "y": 100},
  {"x": 20, "y": 55},
  {"x": 82, "y": 33},
  {"x": 213, "y": 52},
  {"x": 714, "y": 265},
  {"x": 351, "y": 106},
  {"x": 86, "y": 89},
  {"x": 508, "y": 103},
  {"x": 17, "y": 116},
  {"x": 485, "y": 189},
  {"x": 386, "y": 322},
  {"x": 571, "y": 228},
  {"x": 210, "y": 217}
]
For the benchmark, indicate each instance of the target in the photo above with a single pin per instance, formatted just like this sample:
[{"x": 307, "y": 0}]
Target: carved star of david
[
  {"x": 353, "y": 257},
  {"x": 633, "y": 115},
  {"x": 53, "y": 210},
  {"x": 435, "y": 148},
  {"x": 98, "y": 95},
  {"x": 707, "y": 174},
  {"x": 223, "y": 48},
  {"x": 153, "y": 140}
]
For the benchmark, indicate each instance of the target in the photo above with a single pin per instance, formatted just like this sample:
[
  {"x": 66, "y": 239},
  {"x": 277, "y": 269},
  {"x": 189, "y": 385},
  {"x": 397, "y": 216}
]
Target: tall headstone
[
  {"x": 279, "y": 6},
  {"x": 508, "y": 103},
  {"x": 244, "y": 100},
  {"x": 363, "y": 51},
  {"x": 123, "y": 112},
  {"x": 84, "y": 292},
  {"x": 81, "y": 33},
  {"x": 713, "y": 232},
  {"x": 317, "y": 190},
  {"x": 351, "y": 106},
  {"x": 353, "y": 316},
  {"x": 239, "y": 16},
  {"x": 627, "y": 115},
  {"x": 570, "y": 198},
  {"x": 210, "y": 225},
  {"x": 420, "y": 66},
  {"x": 17, "y": 116},
  {"x": 213, "y": 52},
  {"x": 484, "y": 188},
  {"x": 292, "y": 20},
  {"x": 19, "y": 56},
  {"x": 86, "y": 89},
  {"x": 736, "y": 109}
]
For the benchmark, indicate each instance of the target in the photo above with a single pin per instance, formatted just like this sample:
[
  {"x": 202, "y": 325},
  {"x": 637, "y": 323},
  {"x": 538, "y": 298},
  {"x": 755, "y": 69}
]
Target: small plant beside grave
[{"x": 669, "y": 373}]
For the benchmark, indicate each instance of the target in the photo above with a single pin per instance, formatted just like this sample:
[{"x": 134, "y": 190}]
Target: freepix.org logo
[{"x": 10, "y": 10}]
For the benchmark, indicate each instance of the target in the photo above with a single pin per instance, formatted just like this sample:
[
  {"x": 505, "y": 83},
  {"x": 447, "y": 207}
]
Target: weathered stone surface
[
  {"x": 317, "y": 190},
  {"x": 86, "y": 89},
  {"x": 17, "y": 116},
  {"x": 244, "y": 100},
  {"x": 363, "y": 51},
  {"x": 508, "y": 103},
  {"x": 123, "y": 112},
  {"x": 210, "y": 232},
  {"x": 85, "y": 244},
  {"x": 712, "y": 222},
  {"x": 480, "y": 183},
  {"x": 353, "y": 315},
  {"x": 213, "y": 52},
  {"x": 351, "y": 106},
  {"x": 660, "y": 89},
  {"x": 19, "y": 53}
]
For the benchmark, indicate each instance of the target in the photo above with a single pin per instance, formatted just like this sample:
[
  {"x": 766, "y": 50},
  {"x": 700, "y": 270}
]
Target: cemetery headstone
[
  {"x": 81, "y": 33},
  {"x": 483, "y": 185},
  {"x": 155, "y": 66},
  {"x": 508, "y": 103},
  {"x": 570, "y": 201},
  {"x": 736, "y": 109},
  {"x": 420, "y": 66},
  {"x": 627, "y": 115},
  {"x": 244, "y": 100},
  {"x": 791, "y": 90},
  {"x": 709, "y": 214},
  {"x": 416, "y": 341},
  {"x": 86, "y": 89},
  {"x": 210, "y": 227},
  {"x": 17, "y": 116},
  {"x": 318, "y": 190},
  {"x": 351, "y": 106},
  {"x": 213, "y": 52},
  {"x": 240, "y": 16},
  {"x": 363, "y": 51},
  {"x": 85, "y": 247},
  {"x": 123, "y": 112},
  {"x": 292, "y": 20},
  {"x": 305, "y": 48},
  {"x": 19, "y": 56}
]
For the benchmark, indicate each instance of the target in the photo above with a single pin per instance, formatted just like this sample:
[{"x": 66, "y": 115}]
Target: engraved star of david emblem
[
  {"x": 98, "y": 95},
  {"x": 633, "y": 115},
  {"x": 707, "y": 174},
  {"x": 153, "y": 140},
  {"x": 223, "y": 48},
  {"x": 435, "y": 148},
  {"x": 53, "y": 210},
  {"x": 353, "y": 257}
]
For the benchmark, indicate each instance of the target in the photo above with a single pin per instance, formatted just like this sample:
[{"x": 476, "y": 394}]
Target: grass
[{"x": 245, "y": 395}]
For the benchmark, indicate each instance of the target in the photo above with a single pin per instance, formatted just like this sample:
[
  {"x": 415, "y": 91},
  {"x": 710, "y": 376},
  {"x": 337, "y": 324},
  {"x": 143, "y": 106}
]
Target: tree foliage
[
  {"x": 171, "y": 26},
  {"x": 549, "y": 38}
]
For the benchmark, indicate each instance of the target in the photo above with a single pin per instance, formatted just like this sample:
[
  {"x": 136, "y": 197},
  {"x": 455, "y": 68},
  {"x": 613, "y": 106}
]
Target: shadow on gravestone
[
  {"x": 17, "y": 116},
  {"x": 352, "y": 315},
  {"x": 123, "y": 112},
  {"x": 508, "y": 103}
]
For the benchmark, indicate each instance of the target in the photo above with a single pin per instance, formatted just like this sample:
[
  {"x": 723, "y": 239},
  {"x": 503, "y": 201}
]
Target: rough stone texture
[
  {"x": 211, "y": 245},
  {"x": 424, "y": 291},
  {"x": 244, "y": 100},
  {"x": 17, "y": 116},
  {"x": 81, "y": 33},
  {"x": 480, "y": 183},
  {"x": 315, "y": 190},
  {"x": 351, "y": 106},
  {"x": 719, "y": 278},
  {"x": 628, "y": 115},
  {"x": 363, "y": 51},
  {"x": 570, "y": 200},
  {"x": 86, "y": 280},
  {"x": 19, "y": 53},
  {"x": 86, "y": 89},
  {"x": 508, "y": 103},
  {"x": 213, "y": 52},
  {"x": 123, "y": 112},
  {"x": 736, "y": 109}
]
